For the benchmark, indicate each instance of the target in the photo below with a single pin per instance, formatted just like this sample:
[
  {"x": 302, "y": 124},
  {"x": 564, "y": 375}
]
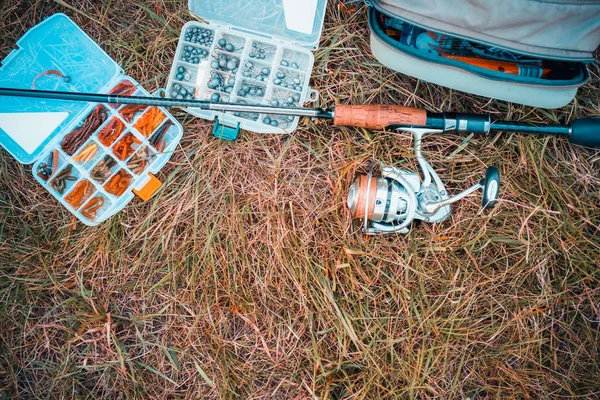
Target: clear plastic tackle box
[
  {"x": 92, "y": 158},
  {"x": 249, "y": 52}
]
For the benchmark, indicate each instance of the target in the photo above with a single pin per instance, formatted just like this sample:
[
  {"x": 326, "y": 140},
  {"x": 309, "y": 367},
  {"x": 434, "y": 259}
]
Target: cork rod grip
[{"x": 378, "y": 116}]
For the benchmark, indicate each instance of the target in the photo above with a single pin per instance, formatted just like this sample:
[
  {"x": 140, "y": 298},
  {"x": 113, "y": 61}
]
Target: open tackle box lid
[
  {"x": 298, "y": 21},
  {"x": 55, "y": 46}
]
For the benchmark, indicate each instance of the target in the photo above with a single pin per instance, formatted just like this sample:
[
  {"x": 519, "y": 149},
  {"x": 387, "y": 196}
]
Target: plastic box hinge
[
  {"x": 9, "y": 57},
  {"x": 225, "y": 132}
]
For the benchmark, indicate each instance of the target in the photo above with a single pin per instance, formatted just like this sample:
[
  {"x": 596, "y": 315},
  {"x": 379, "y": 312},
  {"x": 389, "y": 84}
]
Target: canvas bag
[{"x": 564, "y": 32}]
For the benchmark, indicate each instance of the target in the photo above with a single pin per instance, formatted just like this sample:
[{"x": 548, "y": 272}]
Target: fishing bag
[{"x": 532, "y": 52}]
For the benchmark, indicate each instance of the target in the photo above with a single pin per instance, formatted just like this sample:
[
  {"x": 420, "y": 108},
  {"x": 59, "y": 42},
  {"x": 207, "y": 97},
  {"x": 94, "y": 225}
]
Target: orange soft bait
[
  {"x": 124, "y": 148},
  {"x": 91, "y": 208},
  {"x": 118, "y": 183},
  {"x": 128, "y": 112},
  {"x": 150, "y": 121},
  {"x": 111, "y": 132},
  {"x": 82, "y": 191}
]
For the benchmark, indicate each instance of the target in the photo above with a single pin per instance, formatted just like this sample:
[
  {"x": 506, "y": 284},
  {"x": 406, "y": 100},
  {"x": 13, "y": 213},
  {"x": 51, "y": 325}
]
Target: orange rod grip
[{"x": 378, "y": 116}]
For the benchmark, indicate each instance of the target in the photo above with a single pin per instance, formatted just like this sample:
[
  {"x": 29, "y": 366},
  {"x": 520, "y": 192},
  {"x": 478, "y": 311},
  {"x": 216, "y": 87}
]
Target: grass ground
[{"x": 245, "y": 278}]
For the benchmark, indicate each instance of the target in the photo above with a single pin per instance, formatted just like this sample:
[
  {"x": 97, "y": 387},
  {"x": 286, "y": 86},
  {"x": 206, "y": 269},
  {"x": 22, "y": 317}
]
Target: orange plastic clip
[{"x": 149, "y": 188}]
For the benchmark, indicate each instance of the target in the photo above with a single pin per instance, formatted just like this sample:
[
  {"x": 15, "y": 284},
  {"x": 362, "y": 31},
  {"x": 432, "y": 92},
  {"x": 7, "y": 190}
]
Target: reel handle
[
  {"x": 490, "y": 186},
  {"x": 585, "y": 132}
]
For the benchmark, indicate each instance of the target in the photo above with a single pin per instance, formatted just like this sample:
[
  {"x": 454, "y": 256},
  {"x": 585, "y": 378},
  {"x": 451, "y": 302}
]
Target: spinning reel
[{"x": 390, "y": 203}]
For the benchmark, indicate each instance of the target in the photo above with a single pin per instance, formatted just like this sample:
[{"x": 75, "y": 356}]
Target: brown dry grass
[{"x": 244, "y": 278}]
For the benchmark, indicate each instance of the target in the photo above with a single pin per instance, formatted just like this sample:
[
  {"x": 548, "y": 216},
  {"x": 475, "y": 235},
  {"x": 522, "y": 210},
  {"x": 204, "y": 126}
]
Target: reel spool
[{"x": 391, "y": 202}]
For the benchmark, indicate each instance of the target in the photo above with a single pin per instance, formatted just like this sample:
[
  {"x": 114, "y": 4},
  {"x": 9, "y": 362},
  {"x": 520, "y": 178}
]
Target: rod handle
[
  {"x": 378, "y": 116},
  {"x": 585, "y": 132}
]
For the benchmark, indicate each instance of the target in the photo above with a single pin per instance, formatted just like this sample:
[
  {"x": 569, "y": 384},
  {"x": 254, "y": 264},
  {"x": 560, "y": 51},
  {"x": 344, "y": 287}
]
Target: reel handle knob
[
  {"x": 585, "y": 132},
  {"x": 491, "y": 188}
]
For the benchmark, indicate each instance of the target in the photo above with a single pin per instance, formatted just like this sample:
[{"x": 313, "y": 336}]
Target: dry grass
[{"x": 244, "y": 278}]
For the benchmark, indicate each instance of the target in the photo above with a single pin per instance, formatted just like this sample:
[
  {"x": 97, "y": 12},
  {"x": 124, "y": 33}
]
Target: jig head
[{"x": 391, "y": 202}]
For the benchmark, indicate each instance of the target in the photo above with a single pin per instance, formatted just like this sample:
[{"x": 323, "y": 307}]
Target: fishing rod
[
  {"x": 585, "y": 131},
  {"x": 387, "y": 199}
]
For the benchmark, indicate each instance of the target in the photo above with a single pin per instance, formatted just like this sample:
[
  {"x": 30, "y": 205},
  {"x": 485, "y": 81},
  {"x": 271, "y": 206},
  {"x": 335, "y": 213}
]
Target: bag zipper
[
  {"x": 375, "y": 4},
  {"x": 453, "y": 64}
]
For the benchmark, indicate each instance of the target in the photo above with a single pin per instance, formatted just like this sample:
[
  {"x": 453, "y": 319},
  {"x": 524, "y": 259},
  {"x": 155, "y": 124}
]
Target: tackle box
[
  {"x": 249, "y": 52},
  {"x": 98, "y": 175}
]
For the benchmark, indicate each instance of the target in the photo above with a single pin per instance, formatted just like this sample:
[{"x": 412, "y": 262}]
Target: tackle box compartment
[
  {"x": 255, "y": 52},
  {"x": 57, "y": 55}
]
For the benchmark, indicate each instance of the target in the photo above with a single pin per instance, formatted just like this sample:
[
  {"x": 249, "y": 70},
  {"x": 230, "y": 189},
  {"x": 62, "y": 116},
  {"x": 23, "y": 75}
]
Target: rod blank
[{"x": 167, "y": 103}]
